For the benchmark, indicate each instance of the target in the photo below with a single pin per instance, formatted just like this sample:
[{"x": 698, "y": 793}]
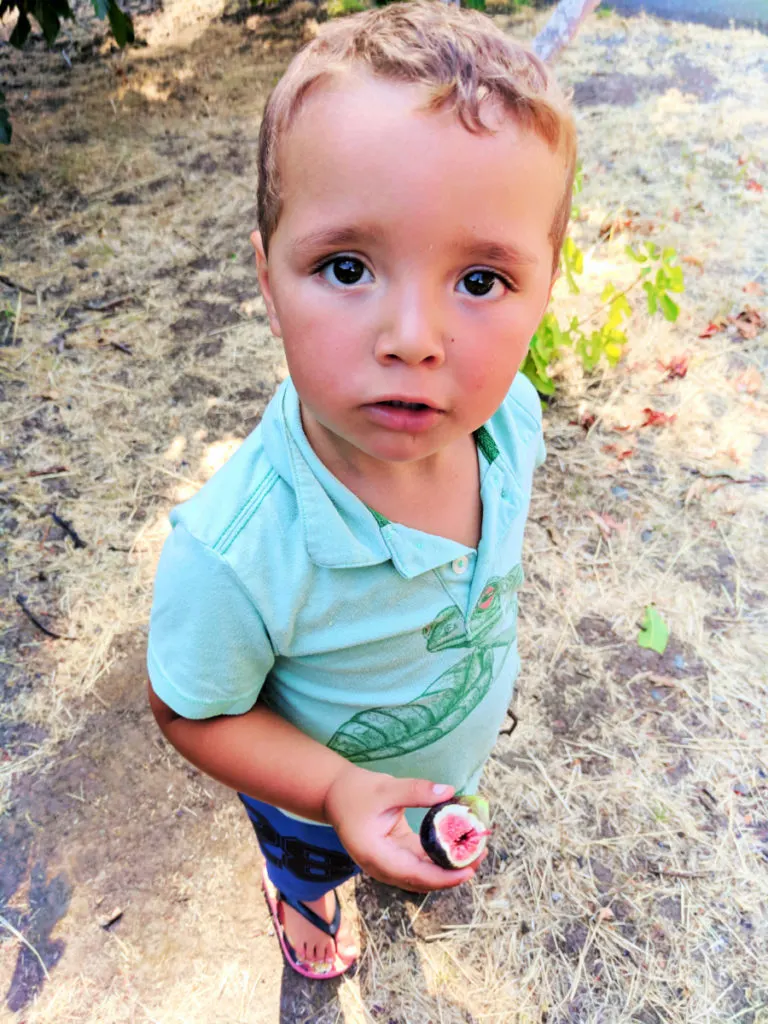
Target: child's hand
[{"x": 367, "y": 811}]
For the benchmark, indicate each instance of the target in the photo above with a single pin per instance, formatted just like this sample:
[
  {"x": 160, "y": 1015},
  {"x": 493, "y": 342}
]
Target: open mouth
[
  {"x": 415, "y": 406},
  {"x": 401, "y": 414}
]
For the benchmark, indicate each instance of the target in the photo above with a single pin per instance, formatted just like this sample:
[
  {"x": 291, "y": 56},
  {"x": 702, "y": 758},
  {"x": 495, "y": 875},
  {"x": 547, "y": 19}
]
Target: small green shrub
[
  {"x": 338, "y": 8},
  {"x": 49, "y": 14},
  {"x": 659, "y": 275}
]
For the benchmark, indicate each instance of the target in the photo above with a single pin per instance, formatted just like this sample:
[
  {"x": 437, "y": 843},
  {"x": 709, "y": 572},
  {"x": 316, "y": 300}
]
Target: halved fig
[{"x": 455, "y": 832}]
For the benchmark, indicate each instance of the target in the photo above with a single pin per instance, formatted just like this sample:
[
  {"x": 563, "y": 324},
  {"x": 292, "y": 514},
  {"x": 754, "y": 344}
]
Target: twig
[
  {"x": 17, "y": 934},
  {"x": 757, "y": 480},
  {"x": 671, "y": 873},
  {"x": 510, "y": 729},
  {"x": 51, "y": 471},
  {"x": 121, "y": 348},
  {"x": 68, "y": 529},
  {"x": 602, "y": 306},
  {"x": 561, "y": 27},
  {"x": 13, "y": 284},
  {"x": 22, "y": 603},
  {"x": 103, "y": 307}
]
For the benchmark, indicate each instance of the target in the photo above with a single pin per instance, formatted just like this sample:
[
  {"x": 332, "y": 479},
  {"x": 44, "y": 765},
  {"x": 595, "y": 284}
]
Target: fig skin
[{"x": 477, "y": 806}]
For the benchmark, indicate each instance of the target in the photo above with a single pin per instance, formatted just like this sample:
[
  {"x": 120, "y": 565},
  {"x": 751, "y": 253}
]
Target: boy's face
[{"x": 411, "y": 264}]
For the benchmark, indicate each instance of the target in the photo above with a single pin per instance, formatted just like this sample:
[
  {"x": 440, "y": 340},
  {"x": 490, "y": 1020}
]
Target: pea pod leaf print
[
  {"x": 446, "y": 630},
  {"x": 389, "y": 732},
  {"x": 488, "y": 610},
  {"x": 382, "y": 732}
]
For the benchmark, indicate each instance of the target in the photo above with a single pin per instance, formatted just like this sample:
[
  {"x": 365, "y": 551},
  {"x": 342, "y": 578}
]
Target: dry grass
[{"x": 628, "y": 875}]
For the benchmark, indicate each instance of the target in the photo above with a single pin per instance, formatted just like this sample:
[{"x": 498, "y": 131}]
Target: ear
[{"x": 262, "y": 273}]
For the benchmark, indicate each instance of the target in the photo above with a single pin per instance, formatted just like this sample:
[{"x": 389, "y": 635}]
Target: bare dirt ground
[{"x": 629, "y": 874}]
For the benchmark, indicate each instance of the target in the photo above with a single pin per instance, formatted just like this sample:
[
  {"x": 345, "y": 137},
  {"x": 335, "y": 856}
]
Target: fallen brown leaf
[
  {"x": 677, "y": 366},
  {"x": 606, "y": 523},
  {"x": 714, "y": 327},
  {"x": 620, "y": 453},
  {"x": 657, "y": 418},
  {"x": 750, "y": 381},
  {"x": 748, "y": 322}
]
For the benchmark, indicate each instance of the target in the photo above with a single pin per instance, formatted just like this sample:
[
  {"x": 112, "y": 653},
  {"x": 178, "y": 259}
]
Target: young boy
[{"x": 334, "y": 625}]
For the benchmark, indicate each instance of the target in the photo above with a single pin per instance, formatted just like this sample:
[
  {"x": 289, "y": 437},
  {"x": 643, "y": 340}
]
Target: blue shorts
[{"x": 304, "y": 861}]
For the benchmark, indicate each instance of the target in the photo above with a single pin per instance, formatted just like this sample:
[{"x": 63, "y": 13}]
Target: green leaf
[
  {"x": 614, "y": 349},
  {"x": 21, "y": 30},
  {"x": 48, "y": 20},
  {"x": 573, "y": 263},
  {"x": 638, "y": 257},
  {"x": 676, "y": 281},
  {"x": 607, "y": 292},
  {"x": 541, "y": 381},
  {"x": 100, "y": 8},
  {"x": 654, "y": 632},
  {"x": 652, "y": 249},
  {"x": 619, "y": 310},
  {"x": 121, "y": 24},
  {"x": 669, "y": 307},
  {"x": 668, "y": 255},
  {"x": 651, "y": 292},
  {"x": 392, "y": 731},
  {"x": 476, "y": 5}
]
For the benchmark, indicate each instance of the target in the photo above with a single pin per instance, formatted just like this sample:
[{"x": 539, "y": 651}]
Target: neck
[{"x": 356, "y": 468}]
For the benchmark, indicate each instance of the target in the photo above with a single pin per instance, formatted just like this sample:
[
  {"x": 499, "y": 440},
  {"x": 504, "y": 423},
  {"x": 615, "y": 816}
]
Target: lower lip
[{"x": 410, "y": 421}]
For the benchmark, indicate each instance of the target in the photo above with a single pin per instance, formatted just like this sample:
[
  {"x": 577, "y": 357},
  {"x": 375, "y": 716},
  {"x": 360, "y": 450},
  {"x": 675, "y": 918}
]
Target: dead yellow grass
[{"x": 628, "y": 874}]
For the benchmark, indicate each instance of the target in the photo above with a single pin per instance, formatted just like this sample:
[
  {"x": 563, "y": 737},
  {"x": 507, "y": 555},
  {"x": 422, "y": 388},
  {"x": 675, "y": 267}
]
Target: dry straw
[{"x": 627, "y": 881}]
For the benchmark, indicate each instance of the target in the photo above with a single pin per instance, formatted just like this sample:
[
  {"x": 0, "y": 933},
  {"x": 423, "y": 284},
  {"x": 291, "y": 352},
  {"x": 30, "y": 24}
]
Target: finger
[
  {"x": 408, "y": 867},
  {"x": 418, "y": 792}
]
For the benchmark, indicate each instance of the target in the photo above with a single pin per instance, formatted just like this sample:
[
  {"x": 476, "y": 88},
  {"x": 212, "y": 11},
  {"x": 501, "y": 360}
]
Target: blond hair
[{"x": 460, "y": 55}]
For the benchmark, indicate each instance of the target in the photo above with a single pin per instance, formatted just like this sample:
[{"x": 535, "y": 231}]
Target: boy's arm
[{"x": 264, "y": 756}]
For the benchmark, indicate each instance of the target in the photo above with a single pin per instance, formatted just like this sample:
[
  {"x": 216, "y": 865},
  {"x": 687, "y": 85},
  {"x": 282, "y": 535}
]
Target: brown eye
[
  {"x": 344, "y": 270},
  {"x": 479, "y": 282}
]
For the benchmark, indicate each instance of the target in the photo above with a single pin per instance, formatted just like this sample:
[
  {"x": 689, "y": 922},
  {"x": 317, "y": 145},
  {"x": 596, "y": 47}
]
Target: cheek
[{"x": 306, "y": 313}]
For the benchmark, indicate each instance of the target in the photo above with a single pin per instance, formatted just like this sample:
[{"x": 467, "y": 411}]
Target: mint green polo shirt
[{"x": 395, "y": 648}]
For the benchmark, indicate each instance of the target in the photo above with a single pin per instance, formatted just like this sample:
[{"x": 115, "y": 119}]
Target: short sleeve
[
  {"x": 209, "y": 652},
  {"x": 524, "y": 396}
]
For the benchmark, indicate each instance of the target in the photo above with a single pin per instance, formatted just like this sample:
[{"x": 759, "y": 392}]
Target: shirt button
[{"x": 460, "y": 565}]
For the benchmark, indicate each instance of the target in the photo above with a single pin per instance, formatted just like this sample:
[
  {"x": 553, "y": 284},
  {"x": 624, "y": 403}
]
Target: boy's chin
[{"x": 402, "y": 449}]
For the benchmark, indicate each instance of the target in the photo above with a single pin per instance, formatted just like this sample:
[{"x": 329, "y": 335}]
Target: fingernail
[{"x": 439, "y": 790}]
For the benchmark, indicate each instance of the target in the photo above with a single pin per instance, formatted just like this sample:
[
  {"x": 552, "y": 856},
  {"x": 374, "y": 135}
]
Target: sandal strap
[{"x": 330, "y": 928}]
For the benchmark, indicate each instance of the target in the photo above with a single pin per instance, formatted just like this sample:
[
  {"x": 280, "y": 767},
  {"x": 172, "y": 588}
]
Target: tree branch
[{"x": 562, "y": 27}]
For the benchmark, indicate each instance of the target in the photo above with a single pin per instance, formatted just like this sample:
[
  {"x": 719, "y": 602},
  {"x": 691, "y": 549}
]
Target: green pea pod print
[
  {"x": 446, "y": 630},
  {"x": 389, "y": 732},
  {"x": 383, "y": 732}
]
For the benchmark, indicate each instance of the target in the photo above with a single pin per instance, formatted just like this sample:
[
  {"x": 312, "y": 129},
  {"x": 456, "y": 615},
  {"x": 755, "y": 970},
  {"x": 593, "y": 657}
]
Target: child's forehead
[
  {"x": 370, "y": 134},
  {"x": 349, "y": 88},
  {"x": 368, "y": 159}
]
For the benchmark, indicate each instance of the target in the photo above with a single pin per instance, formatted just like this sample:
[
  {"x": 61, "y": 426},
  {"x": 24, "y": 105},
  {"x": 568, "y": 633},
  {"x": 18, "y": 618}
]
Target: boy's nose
[{"x": 411, "y": 330}]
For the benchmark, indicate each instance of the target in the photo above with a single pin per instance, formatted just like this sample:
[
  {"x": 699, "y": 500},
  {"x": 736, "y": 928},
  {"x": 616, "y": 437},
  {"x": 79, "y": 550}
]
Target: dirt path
[{"x": 628, "y": 875}]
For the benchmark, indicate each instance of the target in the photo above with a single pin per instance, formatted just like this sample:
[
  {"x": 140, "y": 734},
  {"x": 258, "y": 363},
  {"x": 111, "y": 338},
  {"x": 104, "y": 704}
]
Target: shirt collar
[{"x": 340, "y": 531}]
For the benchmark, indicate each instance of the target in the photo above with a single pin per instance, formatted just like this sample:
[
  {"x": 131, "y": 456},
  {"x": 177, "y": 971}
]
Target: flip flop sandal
[{"x": 316, "y": 969}]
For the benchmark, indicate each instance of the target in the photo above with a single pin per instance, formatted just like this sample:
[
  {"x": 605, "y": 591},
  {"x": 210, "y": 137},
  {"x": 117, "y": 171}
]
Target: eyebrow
[
  {"x": 332, "y": 238},
  {"x": 470, "y": 247},
  {"x": 498, "y": 252}
]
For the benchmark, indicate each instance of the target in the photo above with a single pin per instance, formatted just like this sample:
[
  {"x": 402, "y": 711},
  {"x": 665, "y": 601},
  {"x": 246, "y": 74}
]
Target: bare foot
[{"x": 313, "y": 945}]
